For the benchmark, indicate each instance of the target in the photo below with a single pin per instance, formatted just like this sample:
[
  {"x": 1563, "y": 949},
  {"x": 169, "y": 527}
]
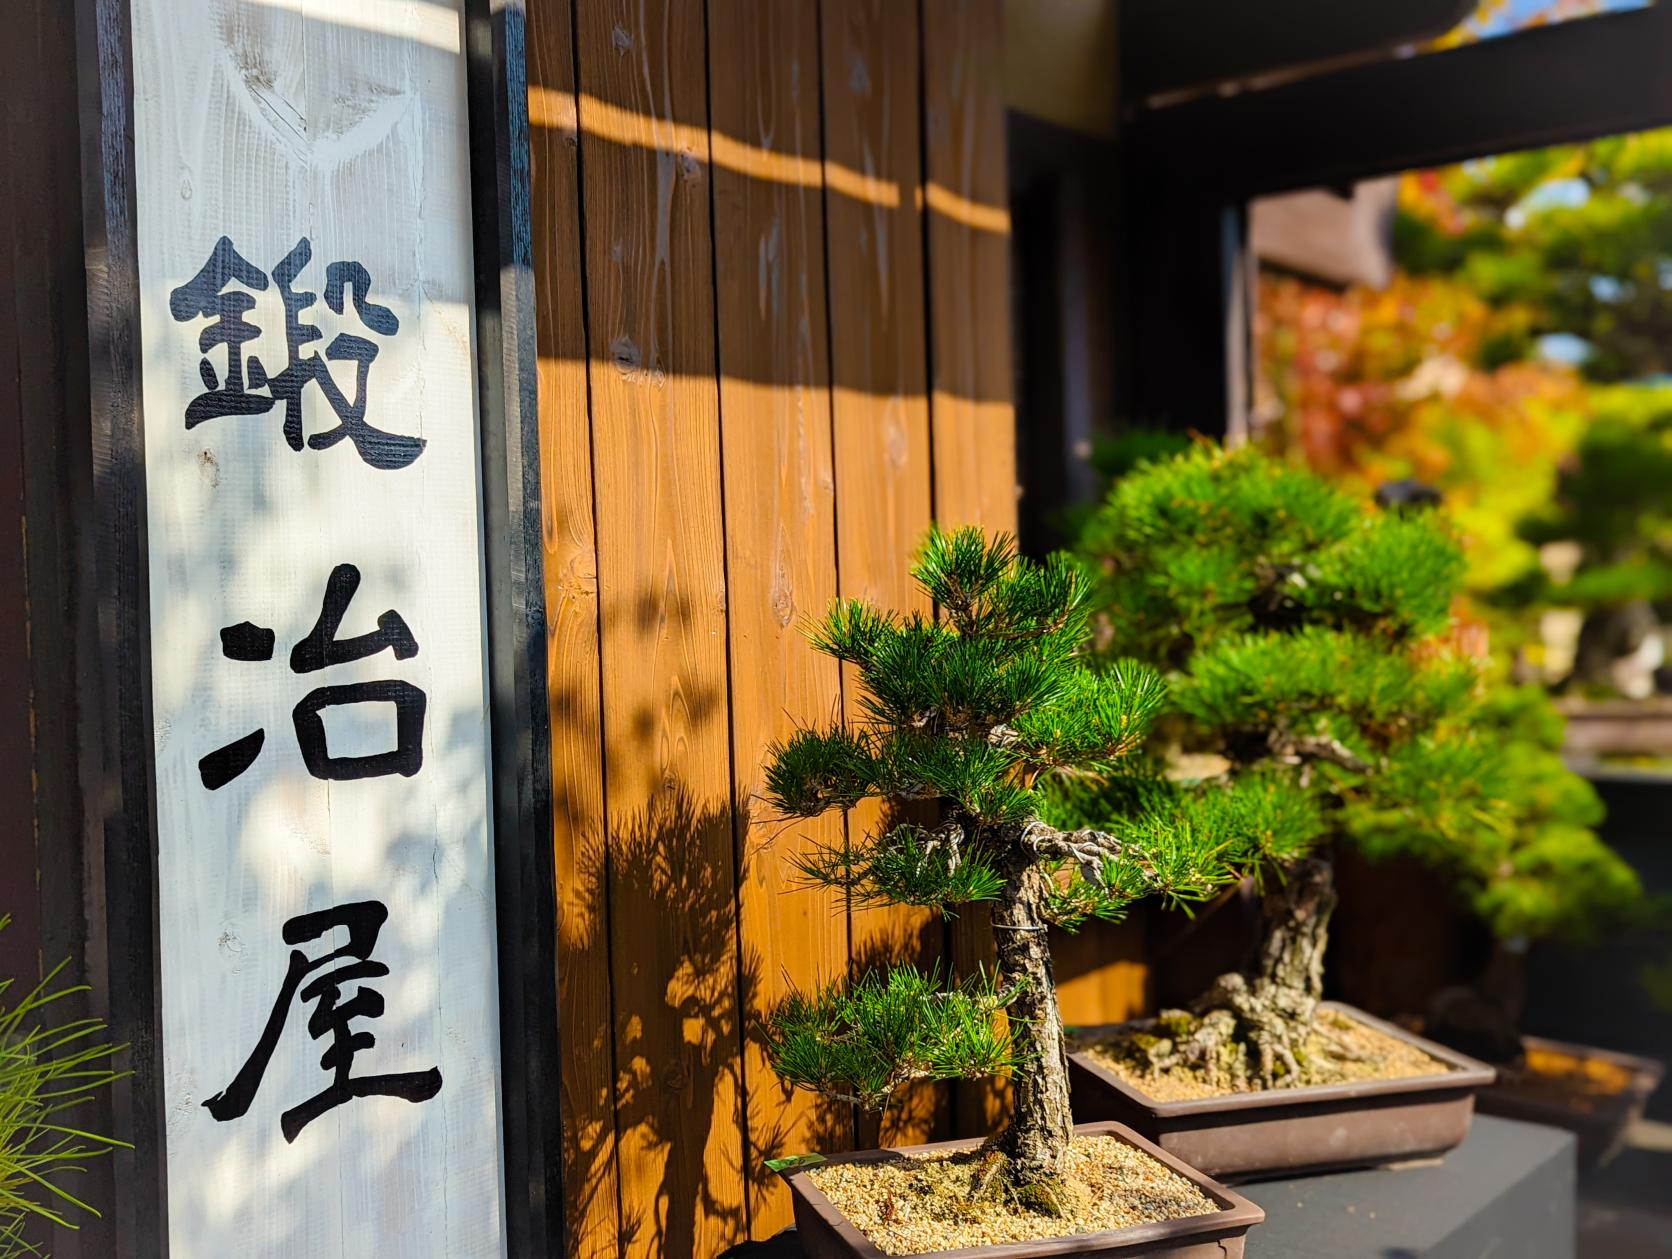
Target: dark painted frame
[
  {"x": 1192, "y": 168},
  {"x": 119, "y": 802},
  {"x": 120, "y": 839},
  {"x": 513, "y": 563}
]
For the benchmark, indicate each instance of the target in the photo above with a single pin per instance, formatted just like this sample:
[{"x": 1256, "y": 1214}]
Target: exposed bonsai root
[
  {"x": 1261, "y": 1031},
  {"x": 1001, "y": 1179},
  {"x": 1238, "y": 1046}
]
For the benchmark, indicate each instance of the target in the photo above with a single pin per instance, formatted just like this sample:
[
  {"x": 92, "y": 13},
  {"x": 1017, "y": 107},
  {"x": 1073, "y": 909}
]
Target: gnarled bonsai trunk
[
  {"x": 1278, "y": 1008},
  {"x": 1251, "y": 1029},
  {"x": 1041, "y": 1123}
]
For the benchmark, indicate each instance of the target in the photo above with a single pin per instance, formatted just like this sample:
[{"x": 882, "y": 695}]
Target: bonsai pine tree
[
  {"x": 1307, "y": 640},
  {"x": 962, "y": 719}
]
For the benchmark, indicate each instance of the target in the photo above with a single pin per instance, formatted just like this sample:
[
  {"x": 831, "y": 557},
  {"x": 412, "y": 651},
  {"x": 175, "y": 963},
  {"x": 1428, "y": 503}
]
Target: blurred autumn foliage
[
  {"x": 1529, "y": 319},
  {"x": 1502, "y": 17}
]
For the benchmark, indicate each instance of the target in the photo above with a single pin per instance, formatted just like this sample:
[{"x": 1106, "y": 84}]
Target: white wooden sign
[{"x": 329, "y": 991}]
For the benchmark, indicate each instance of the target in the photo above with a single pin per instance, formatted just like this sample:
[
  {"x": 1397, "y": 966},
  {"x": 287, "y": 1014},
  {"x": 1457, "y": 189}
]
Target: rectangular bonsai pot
[
  {"x": 825, "y": 1232},
  {"x": 1601, "y": 1129},
  {"x": 1287, "y": 1131}
]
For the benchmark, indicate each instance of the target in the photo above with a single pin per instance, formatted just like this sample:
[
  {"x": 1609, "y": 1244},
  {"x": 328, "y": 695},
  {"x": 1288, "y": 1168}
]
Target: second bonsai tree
[
  {"x": 962, "y": 719},
  {"x": 1311, "y": 655}
]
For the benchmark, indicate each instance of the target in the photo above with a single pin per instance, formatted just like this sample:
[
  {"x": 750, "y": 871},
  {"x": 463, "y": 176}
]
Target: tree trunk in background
[
  {"x": 1268, "y": 1013},
  {"x": 1484, "y": 1020},
  {"x": 1294, "y": 932}
]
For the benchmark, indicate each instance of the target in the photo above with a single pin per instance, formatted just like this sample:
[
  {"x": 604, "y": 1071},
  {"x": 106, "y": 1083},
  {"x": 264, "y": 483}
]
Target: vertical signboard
[{"x": 325, "y": 882}]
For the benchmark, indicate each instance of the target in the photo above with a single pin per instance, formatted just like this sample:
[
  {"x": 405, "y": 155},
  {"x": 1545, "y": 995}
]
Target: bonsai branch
[
  {"x": 1323, "y": 748},
  {"x": 1087, "y": 848}
]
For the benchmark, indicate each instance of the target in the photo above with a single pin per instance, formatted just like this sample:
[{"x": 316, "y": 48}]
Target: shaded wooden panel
[
  {"x": 48, "y": 641},
  {"x": 661, "y": 572},
  {"x": 19, "y": 896},
  {"x": 880, "y": 410},
  {"x": 1376, "y": 961},
  {"x": 968, "y": 233},
  {"x": 587, "y": 1090},
  {"x": 780, "y": 528},
  {"x": 1101, "y": 972}
]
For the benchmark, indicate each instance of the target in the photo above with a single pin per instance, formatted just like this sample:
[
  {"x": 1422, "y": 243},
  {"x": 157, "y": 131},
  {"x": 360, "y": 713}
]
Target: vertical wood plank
[
  {"x": 20, "y": 943},
  {"x": 966, "y": 191},
  {"x": 968, "y": 233},
  {"x": 1101, "y": 972},
  {"x": 661, "y": 570},
  {"x": 44, "y": 622},
  {"x": 880, "y": 405},
  {"x": 120, "y": 827},
  {"x": 780, "y": 526},
  {"x": 513, "y": 517},
  {"x": 587, "y": 1090}
]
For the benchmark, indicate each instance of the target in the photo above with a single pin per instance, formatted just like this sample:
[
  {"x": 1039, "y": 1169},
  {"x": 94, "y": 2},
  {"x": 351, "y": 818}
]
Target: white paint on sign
[{"x": 270, "y": 122}]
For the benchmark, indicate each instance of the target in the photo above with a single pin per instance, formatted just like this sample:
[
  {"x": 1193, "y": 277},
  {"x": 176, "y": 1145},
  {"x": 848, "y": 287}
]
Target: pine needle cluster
[
  {"x": 1183, "y": 841},
  {"x": 1306, "y": 634},
  {"x": 1514, "y": 826},
  {"x": 862, "y": 1041},
  {"x": 47, "y": 1070}
]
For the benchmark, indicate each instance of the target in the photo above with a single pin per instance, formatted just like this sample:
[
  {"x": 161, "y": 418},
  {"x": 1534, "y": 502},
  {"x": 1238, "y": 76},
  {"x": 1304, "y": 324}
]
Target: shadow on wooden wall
[{"x": 772, "y": 270}]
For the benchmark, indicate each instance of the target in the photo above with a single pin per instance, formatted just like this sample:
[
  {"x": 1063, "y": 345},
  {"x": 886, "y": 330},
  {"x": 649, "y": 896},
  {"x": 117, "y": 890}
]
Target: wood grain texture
[
  {"x": 661, "y": 569},
  {"x": 20, "y": 943},
  {"x": 966, "y": 190},
  {"x": 119, "y": 837},
  {"x": 968, "y": 242},
  {"x": 587, "y": 1049},
  {"x": 43, "y": 364},
  {"x": 880, "y": 410},
  {"x": 1101, "y": 972},
  {"x": 780, "y": 530}
]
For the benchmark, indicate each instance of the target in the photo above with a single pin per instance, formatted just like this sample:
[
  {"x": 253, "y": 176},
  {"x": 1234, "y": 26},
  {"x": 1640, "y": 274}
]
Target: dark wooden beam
[
  {"x": 1556, "y": 84},
  {"x": 1189, "y": 166},
  {"x": 1168, "y": 45}
]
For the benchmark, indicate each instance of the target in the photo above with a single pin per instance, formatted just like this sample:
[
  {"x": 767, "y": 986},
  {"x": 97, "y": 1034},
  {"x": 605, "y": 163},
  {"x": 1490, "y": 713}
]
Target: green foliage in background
[
  {"x": 1518, "y": 361},
  {"x": 1613, "y": 502},
  {"x": 1580, "y": 236},
  {"x": 47, "y": 1070},
  {"x": 1521, "y": 839}
]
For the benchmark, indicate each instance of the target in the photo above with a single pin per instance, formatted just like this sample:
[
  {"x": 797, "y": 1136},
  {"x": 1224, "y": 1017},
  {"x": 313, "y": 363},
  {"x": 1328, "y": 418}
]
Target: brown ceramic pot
[
  {"x": 1285, "y": 1131},
  {"x": 1599, "y": 1123},
  {"x": 826, "y": 1233}
]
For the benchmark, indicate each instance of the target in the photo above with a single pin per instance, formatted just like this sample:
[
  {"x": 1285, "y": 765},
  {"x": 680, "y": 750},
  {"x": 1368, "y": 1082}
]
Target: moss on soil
[
  {"x": 1339, "y": 1051},
  {"x": 922, "y": 1204}
]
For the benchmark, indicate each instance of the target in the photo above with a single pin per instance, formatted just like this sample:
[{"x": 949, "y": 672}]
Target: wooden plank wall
[
  {"x": 772, "y": 261},
  {"x": 49, "y": 648}
]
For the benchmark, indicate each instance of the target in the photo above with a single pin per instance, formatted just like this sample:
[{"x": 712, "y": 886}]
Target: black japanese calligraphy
[
  {"x": 208, "y": 296},
  {"x": 332, "y": 1016},
  {"x": 321, "y": 649}
]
